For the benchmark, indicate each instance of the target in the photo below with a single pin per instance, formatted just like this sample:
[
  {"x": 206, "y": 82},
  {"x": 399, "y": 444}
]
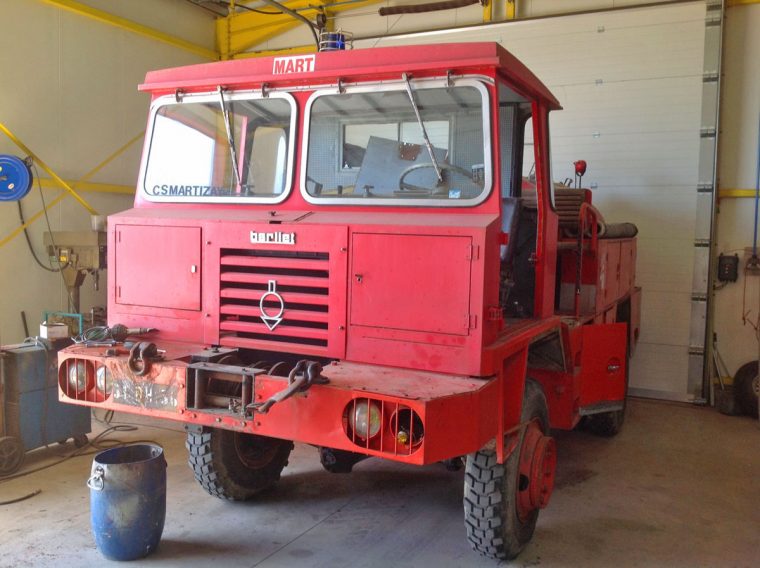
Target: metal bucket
[{"x": 128, "y": 500}]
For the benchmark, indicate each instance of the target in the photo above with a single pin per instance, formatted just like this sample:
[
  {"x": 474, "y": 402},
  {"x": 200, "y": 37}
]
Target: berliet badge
[
  {"x": 271, "y": 319},
  {"x": 275, "y": 238}
]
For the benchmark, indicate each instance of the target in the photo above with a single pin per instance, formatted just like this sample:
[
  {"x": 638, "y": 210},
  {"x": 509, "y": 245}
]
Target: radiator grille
[{"x": 301, "y": 279}]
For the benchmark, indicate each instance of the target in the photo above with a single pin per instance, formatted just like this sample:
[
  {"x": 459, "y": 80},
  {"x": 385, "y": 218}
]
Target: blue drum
[{"x": 128, "y": 500}]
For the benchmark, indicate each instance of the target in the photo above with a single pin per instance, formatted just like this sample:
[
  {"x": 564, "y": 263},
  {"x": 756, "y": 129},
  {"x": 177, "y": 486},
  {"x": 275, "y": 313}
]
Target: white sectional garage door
[{"x": 630, "y": 82}]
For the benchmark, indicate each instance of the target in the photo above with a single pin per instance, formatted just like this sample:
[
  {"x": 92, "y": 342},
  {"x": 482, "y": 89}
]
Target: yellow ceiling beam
[
  {"x": 125, "y": 24},
  {"x": 742, "y": 2},
  {"x": 240, "y": 31},
  {"x": 276, "y": 52},
  {"x": 90, "y": 186},
  {"x": 511, "y": 9},
  {"x": 488, "y": 11}
]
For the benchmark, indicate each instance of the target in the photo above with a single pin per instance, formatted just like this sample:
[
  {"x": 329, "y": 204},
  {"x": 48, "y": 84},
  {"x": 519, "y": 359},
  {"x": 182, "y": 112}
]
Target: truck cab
[{"x": 364, "y": 251}]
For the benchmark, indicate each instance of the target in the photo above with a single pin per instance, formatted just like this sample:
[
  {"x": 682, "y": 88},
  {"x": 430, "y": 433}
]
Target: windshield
[
  {"x": 194, "y": 148},
  {"x": 369, "y": 144}
]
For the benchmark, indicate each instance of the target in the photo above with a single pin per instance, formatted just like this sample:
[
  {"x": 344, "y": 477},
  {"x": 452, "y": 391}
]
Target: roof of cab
[{"x": 354, "y": 65}]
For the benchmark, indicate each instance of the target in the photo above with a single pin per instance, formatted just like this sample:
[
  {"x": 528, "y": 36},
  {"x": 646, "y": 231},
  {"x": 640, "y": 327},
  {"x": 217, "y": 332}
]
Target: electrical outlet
[{"x": 751, "y": 264}]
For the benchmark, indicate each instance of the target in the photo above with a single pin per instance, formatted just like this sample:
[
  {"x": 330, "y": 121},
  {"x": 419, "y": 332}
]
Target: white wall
[
  {"x": 740, "y": 112},
  {"x": 69, "y": 92}
]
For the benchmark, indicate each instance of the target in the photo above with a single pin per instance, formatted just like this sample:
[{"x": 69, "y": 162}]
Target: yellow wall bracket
[{"x": 240, "y": 31}]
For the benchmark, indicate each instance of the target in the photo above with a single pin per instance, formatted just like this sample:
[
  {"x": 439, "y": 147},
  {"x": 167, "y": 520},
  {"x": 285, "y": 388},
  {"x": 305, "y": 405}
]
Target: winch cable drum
[{"x": 15, "y": 177}]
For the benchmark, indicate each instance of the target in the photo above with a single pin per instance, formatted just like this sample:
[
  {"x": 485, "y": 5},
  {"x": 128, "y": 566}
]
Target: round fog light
[
  {"x": 364, "y": 419},
  {"x": 78, "y": 376},
  {"x": 103, "y": 380}
]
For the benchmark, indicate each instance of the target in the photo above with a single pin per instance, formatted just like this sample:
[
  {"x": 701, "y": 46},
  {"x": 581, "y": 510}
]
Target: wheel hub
[
  {"x": 255, "y": 451},
  {"x": 538, "y": 461}
]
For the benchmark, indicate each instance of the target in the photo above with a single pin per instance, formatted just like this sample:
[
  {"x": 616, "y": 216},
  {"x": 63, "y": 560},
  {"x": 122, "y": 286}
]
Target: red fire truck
[{"x": 364, "y": 251}]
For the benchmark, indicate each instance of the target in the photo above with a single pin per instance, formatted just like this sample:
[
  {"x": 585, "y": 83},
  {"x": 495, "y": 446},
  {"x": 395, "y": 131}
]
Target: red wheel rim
[{"x": 538, "y": 461}]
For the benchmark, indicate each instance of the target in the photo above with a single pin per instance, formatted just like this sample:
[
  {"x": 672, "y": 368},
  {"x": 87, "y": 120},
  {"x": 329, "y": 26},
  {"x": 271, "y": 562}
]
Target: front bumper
[{"x": 424, "y": 417}]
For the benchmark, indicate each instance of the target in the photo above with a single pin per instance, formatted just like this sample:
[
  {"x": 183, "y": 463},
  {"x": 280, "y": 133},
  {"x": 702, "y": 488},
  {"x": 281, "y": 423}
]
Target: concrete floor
[{"x": 680, "y": 486}]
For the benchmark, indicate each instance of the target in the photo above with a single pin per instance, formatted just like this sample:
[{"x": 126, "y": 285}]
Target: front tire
[
  {"x": 236, "y": 466},
  {"x": 501, "y": 502}
]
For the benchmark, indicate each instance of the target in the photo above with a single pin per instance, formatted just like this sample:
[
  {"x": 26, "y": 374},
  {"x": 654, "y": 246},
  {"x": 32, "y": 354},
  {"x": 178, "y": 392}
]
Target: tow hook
[
  {"x": 300, "y": 379},
  {"x": 140, "y": 357}
]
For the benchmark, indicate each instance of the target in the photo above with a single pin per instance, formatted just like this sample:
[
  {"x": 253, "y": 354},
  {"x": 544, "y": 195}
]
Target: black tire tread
[
  {"x": 606, "y": 424},
  {"x": 491, "y": 522},
  {"x": 744, "y": 393},
  {"x": 214, "y": 469}
]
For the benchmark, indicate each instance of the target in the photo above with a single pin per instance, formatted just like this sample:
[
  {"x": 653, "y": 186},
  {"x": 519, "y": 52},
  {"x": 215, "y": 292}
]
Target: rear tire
[
  {"x": 236, "y": 466},
  {"x": 606, "y": 424},
  {"x": 746, "y": 388},
  {"x": 491, "y": 491},
  {"x": 11, "y": 454}
]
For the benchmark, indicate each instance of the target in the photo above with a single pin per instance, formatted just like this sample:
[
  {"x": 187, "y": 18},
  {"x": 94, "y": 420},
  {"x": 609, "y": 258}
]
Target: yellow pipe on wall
[
  {"x": 45, "y": 167},
  {"x": 90, "y": 186},
  {"x": 125, "y": 24},
  {"x": 733, "y": 193}
]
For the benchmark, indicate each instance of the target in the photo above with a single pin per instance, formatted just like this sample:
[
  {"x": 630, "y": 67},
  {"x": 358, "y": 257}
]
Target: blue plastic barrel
[{"x": 128, "y": 500}]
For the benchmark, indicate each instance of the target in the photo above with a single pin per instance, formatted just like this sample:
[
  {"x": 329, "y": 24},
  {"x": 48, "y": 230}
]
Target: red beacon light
[{"x": 580, "y": 169}]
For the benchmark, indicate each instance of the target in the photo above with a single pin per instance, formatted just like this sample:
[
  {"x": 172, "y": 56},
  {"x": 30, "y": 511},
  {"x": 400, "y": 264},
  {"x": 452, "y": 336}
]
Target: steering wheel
[
  {"x": 435, "y": 190},
  {"x": 317, "y": 186}
]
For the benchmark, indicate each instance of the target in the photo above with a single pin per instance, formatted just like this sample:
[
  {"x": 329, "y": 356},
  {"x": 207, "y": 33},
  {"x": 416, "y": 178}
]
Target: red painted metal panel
[
  {"x": 411, "y": 282},
  {"x": 158, "y": 267},
  {"x": 635, "y": 318},
  {"x": 609, "y": 259},
  {"x": 358, "y": 64},
  {"x": 603, "y": 363},
  {"x": 627, "y": 266}
]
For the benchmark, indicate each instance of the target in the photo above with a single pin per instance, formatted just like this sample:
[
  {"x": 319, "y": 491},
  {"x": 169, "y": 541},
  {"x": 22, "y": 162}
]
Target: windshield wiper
[
  {"x": 230, "y": 141},
  {"x": 422, "y": 126}
]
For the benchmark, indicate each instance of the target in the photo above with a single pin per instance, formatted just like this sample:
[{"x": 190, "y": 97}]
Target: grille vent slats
[{"x": 302, "y": 281}]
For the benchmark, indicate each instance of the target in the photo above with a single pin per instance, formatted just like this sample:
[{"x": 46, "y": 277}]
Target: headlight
[
  {"x": 364, "y": 419},
  {"x": 103, "y": 380},
  {"x": 78, "y": 376}
]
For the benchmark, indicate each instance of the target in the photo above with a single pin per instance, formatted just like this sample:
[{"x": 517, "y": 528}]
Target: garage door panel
[
  {"x": 638, "y": 160},
  {"x": 665, "y": 318},
  {"x": 665, "y": 265},
  {"x": 630, "y": 106},
  {"x": 660, "y": 212},
  {"x": 643, "y": 35},
  {"x": 660, "y": 367}
]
